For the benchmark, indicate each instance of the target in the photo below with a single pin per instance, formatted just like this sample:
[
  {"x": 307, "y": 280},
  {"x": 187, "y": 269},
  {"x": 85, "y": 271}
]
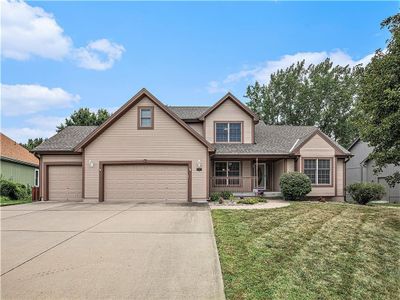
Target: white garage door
[
  {"x": 65, "y": 183},
  {"x": 146, "y": 183}
]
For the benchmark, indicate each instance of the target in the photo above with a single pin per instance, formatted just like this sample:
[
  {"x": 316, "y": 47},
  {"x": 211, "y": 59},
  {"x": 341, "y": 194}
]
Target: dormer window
[
  {"x": 228, "y": 132},
  {"x": 146, "y": 117}
]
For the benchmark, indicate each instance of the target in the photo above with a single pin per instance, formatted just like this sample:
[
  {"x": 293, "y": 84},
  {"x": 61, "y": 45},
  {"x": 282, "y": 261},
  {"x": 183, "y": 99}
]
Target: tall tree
[
  {"x": 378, "y": 107},
  {"x": 85, "y": 117},
  {"x": 33, "y": 143},
  {"x": 320, "y": 95}
]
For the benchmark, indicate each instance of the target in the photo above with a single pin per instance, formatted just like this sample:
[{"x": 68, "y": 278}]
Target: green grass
[
  {"x": 4, "y": 201},
  {"x": 385, "y": 204},
  {"x": 310, "y": 251}
]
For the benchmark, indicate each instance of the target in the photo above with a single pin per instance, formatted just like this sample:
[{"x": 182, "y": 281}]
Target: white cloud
[
  {"x": 45, "y": 122},
  {"x": 263, "y": 71},
  {"x": 21, "y": 135},
  {"x": 24, "y": 99},
  {"x": 29, "y": 31},
  {"x": 98, "y": 55}
]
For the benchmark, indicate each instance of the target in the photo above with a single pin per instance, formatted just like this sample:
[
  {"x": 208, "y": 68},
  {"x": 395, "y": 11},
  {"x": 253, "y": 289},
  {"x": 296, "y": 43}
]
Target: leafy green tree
[
  {"x": 85, "y": 117},
  {"x": 33, "y": 143},
  {"x": 378, "y": 107},
  {"x": 320, "y": 95}
]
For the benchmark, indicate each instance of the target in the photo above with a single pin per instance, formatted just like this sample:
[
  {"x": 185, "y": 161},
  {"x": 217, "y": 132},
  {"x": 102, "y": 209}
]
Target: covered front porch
[{"x": 248, "y": 175}]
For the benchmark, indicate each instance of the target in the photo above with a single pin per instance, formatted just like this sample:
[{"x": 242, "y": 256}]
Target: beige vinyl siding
[
  {"x": 167, "y": 141},
  {"x": 317, "y": 147},
  {"x": 143, "y": 183},
  {"x": 65, "y": 183},
  {"x": 229, "y": 111},
  {"x": 278, "y": 170},
  {"x": 55, "y": 158},
  {"x": 340, "y": 177},
  {"x": 290, "y": 165},
  {"x": 198, "y": 127}
]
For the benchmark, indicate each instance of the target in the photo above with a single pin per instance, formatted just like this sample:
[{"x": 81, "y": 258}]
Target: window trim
[
  {"x": 229, "y": 122},
  {"x": 139, "y": 118},
  {"x": 38, "y": 178},
  {"x": 316, "y": 170},
  {"x": 227, "y": 177}
]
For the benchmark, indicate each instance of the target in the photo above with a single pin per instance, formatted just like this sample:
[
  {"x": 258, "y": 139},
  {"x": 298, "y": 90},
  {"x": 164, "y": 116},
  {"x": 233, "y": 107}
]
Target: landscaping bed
[
  {"x": 310, "y": 251},
  {"x": 4, "y": 201}
]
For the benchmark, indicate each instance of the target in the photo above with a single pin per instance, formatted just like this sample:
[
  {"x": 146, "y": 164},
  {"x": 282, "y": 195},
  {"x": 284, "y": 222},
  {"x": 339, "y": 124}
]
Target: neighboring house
[
  {"x": 360, "y": 169},
  {"x": 149, "y": 151},
  {"x": 17, "y": 163}
]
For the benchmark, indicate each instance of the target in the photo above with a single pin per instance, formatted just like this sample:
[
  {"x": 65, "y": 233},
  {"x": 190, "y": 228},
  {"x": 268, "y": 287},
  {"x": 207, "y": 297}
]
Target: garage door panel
[
  {"x": 65, "y": 183},
  {"x": 141, "y": 183}
]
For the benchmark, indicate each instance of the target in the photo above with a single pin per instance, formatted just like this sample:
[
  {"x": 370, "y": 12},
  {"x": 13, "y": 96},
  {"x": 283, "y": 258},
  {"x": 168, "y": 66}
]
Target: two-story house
[{"x": 147, "y": 151}]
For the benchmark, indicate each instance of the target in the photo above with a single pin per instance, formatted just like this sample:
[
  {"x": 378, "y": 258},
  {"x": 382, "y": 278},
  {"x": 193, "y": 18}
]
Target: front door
[{"x": 260, "y": 178}]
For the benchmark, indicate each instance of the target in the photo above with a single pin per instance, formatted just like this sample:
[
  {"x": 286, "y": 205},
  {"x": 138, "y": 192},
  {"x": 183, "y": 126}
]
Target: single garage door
[
  {"x": 65, "y": 183},
  {"x": 146, "y": 183}
]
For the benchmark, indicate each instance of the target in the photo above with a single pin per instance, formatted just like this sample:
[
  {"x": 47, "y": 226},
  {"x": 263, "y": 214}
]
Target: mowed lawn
[{"x": 310, "y": 251}]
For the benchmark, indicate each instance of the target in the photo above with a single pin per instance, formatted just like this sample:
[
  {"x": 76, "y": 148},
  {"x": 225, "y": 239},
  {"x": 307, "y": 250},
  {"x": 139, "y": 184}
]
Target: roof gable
[
  {"x": 339, "y": 150},
  {"x": 127, "y": 106},
  {"x": 229, "y": 96}
]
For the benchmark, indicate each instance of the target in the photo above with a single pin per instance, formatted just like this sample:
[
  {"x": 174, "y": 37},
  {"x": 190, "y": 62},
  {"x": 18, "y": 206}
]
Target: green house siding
[{"x": 18, "y": 172}]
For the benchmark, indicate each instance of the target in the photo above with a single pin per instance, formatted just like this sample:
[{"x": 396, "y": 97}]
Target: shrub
[
  {"x": 13, "y": 190},
  {"x": 215, "y": 196},
  {"x": 295, "y": 185},
  {"x": 250, "y": 200},
  {"x": 226, "y": 195},
  {"x": 364, "y": 192}
]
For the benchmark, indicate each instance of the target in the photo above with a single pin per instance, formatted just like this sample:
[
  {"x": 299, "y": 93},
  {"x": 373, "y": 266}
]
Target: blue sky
[{"x": 57, "y": 57}]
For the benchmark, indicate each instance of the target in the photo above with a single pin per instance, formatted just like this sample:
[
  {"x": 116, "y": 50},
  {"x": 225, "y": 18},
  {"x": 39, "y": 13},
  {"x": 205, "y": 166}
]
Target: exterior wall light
[
  {"x": 91, "y": 163},
  {"x": 199, "y": 168}
]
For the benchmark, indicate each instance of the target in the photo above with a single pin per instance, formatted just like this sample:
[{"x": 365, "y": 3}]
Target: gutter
[{"x": 19, "y": 162}]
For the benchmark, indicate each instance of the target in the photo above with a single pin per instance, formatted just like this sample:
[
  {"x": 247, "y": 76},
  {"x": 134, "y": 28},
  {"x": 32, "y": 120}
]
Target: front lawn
[
  {"x": 310, "y": 251},
  {"x": 4, "y": 201}
]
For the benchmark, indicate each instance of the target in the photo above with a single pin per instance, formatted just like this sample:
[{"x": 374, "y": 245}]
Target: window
[
  {"x": 228, "y": 132},
  {"x": 229, "y": 170},
  {"x": 318, "y": 170},
  {"x": 146, "y": 118},
  {"x": 36, "y": 178}
]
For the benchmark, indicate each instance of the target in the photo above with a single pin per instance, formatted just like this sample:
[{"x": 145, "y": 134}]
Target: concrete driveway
[{"x": 103, "y": 251}]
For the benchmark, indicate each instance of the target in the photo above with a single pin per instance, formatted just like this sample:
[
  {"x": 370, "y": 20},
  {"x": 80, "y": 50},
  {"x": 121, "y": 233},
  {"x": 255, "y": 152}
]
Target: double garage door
[
  {"x": 145, "y": 183},
  {"x": 123, "y": 183}
]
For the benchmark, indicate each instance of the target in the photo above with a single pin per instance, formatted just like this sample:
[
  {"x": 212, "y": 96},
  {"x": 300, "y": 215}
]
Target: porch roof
[{"x": 269, "y": 140}]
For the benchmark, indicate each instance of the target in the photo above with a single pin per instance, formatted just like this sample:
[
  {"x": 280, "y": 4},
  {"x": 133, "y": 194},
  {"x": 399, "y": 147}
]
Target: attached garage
[
  {"x": 64, "y": 182},
  {"x": 145, "y": 181}
]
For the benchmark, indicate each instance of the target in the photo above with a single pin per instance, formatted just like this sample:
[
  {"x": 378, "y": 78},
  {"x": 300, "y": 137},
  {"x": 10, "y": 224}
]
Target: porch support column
[{"x": 257, "y": 174}]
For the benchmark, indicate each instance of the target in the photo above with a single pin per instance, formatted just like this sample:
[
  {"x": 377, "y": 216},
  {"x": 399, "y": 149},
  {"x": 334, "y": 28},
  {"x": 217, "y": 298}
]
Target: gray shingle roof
[
  {"x": 188, "y": 112},
  {"x": 66, "y": 139},
  {"x": 270, "y": 139}
]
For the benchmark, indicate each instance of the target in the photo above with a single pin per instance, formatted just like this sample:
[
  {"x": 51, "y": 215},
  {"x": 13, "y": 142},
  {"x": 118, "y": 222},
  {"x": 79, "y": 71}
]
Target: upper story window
[
  {"x": 318, "y": 170},
  {"x": 146, "y": 117},
  {"x": 228, "y": 132}
]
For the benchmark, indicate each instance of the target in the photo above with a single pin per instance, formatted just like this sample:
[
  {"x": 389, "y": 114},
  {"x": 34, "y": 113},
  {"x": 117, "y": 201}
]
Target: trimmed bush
[
  {"x": 295, "y": 185},
  {"x": 364, "y": 192},
  {"x": 215, "y": 196},
  {"x": 12, "y": 190},
  {"x": 226, "y": 195}
]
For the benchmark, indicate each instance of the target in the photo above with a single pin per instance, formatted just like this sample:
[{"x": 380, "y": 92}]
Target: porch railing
[{"x": 233, "y": 183}]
